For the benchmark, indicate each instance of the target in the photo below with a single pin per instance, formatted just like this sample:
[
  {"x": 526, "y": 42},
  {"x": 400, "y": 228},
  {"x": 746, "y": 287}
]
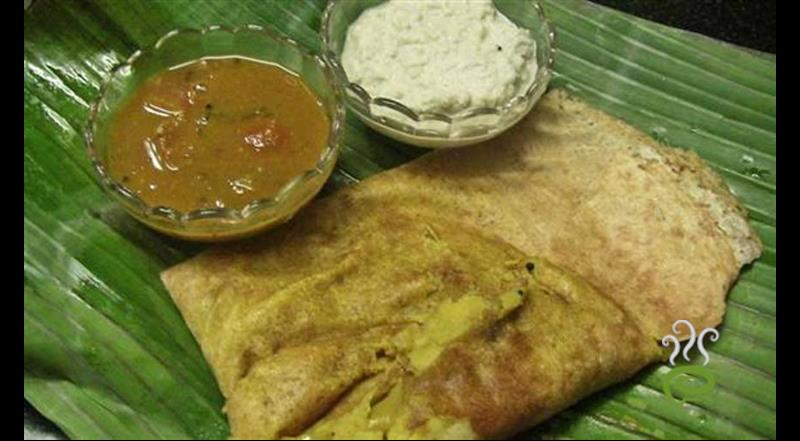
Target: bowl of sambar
[{"x": 216, "y": 133}]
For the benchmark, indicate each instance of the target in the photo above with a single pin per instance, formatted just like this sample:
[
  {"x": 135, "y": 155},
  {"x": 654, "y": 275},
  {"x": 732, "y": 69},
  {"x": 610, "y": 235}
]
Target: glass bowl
[
  {"x": 183, "y": 45},
  {"x": 437, "y": 130}
]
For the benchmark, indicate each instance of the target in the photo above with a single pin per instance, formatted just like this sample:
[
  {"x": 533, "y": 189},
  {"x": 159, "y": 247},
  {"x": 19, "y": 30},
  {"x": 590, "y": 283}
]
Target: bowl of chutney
[{"x": 216, "y": 133}]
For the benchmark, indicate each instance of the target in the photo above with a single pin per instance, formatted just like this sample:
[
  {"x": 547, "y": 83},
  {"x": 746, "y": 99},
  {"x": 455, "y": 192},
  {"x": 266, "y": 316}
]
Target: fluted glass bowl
[
  {"x": 437, "y": 130},
  {"x": 183, "y": 45}
]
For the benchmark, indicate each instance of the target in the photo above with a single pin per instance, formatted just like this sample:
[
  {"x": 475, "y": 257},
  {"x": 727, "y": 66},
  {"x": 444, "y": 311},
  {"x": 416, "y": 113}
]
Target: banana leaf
[{"x": 106, "y": 354}]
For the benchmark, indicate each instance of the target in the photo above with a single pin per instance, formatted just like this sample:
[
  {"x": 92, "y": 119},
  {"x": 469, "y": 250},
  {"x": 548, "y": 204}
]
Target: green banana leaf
[{"x": 106, "y": 353}]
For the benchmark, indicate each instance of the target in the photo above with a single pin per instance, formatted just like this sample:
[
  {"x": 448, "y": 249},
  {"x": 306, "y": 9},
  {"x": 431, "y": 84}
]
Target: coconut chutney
[{"x": 440, "y": 56}]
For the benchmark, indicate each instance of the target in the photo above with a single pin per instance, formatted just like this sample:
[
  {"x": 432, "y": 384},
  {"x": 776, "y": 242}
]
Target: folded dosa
[
  {"x": 385, "y": 326},
  {"x": 389, "y": 308}
]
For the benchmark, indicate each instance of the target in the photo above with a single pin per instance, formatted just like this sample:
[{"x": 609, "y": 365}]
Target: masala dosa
[
  {"x": 357, "y": 326},
  {"x": 300, "y": 325}
]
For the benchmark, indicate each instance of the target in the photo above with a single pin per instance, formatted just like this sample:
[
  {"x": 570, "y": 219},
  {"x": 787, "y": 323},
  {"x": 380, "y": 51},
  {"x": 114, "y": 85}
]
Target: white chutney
[{"x": 440, "y": 56}]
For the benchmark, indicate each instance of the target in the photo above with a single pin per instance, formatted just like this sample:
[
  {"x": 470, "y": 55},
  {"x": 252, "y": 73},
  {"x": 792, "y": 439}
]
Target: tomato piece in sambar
[{"x": 216, "y": 132}]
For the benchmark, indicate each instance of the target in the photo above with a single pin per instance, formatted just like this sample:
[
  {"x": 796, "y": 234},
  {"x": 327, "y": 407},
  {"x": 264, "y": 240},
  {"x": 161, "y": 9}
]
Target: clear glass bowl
[
  {"x": 436, "y": 130},
  {"x": 180, "y": 46}
]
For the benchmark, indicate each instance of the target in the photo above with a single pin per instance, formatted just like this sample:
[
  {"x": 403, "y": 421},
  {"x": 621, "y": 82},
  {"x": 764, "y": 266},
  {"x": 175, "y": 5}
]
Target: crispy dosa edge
[
  {"x": 712, "y": 196},
  {"x": 705, "y": 186}
]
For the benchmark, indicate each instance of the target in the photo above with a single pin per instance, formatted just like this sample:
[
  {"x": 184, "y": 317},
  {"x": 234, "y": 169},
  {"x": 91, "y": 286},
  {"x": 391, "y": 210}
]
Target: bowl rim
[
  {"x": 362, "y": 101},
  {"x": 187, "y": 219}
]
